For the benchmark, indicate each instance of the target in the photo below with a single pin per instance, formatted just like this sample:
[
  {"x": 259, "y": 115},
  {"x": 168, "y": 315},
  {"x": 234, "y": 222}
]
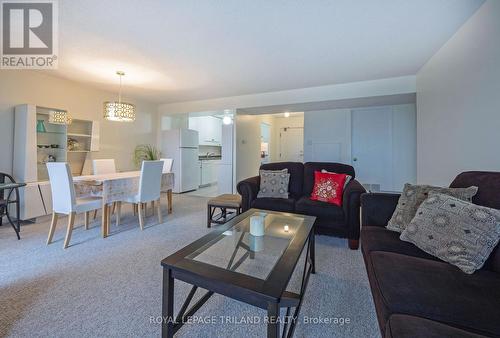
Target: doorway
[{"x": 291, "y": 144}]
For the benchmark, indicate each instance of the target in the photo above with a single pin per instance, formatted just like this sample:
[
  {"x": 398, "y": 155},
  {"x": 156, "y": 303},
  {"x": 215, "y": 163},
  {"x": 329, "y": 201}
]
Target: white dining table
[{"x": 116, "y": 187}]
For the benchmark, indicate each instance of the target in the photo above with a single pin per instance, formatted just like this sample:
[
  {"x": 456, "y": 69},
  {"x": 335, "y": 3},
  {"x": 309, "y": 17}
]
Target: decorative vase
[{"x": 40, "y": 126}]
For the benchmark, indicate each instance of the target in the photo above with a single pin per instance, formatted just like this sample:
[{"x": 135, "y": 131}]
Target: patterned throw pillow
[
  {"x": 274, "y": 183},
  {"x": 348, "y": 178},
  {"x": 456, "y": 231},
  {"x": 413, "y": 195},
  {"x": 328, "y": 187}
]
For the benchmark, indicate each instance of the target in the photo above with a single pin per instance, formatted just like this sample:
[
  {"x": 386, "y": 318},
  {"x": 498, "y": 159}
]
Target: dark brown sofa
[
  {"x": 418, "y": 295},
  {"x": 330, "y": 219}
]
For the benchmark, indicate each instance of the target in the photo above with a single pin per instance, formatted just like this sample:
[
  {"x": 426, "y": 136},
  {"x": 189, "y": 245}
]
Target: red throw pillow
[{"x": 328, "y": 187}]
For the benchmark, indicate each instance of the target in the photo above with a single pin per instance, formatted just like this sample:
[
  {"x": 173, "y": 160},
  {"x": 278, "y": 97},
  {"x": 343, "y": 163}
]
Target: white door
[
  {"x": 292, "y": 144},
  {"x": 372, "y": 147}
]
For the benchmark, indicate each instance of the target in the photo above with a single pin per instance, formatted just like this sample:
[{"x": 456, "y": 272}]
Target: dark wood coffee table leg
[
  {"x": 313, "y": 252},
  {"x": 209, "y": 216},
  {"x": 167, "y": 326},
  {"x": 273, "y": 325}
]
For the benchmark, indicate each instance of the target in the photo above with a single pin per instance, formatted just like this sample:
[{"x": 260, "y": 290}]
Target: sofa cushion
[
  {"x": 376, "y": 238},
  {"x": 488, "y": 194},
  {"x": 435, "y": 290},
  {"x": 319, "y": 209},
  {"x": 296, "y": 171},
  {"x": 276, "y": 204},
  {"x": 274, "y": 183},
  {"x": 311, "y": 167},
  {"x": 404, "y": 326},
  {"x": 413, "y": 195},
  {"x": 459, "y": 232}
]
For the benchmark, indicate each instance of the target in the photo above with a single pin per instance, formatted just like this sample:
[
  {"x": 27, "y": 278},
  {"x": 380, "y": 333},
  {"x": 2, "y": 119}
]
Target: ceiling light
[
  {"x": 119, "y": 111},
  {"x": 287, "y": 114},
  {"x": 227, "y": 120},
  {"x": 59, "y": 117}
]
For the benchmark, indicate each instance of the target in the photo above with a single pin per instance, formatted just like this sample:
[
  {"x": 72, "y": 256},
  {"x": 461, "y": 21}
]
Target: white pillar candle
[
  {"x": 256, "y": 243},
  {"x": 257, "y": 225}
]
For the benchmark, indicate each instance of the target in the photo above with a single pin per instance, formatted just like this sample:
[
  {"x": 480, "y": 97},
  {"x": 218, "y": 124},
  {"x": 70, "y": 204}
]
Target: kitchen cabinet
[
  {"x": 209, "y": 129},
  {"x": 209, "y": 172}
]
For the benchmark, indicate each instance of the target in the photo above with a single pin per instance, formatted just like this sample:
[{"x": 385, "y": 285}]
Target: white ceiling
[{"x": 187, "y": 49}]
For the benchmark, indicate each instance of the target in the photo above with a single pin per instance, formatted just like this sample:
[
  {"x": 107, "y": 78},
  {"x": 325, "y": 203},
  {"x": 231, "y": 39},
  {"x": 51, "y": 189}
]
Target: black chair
[{"x": 6, "y": 190}]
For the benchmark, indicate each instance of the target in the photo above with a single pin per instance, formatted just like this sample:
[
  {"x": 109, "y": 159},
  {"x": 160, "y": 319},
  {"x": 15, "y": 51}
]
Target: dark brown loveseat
[
  {"x": 418, "y": 295},
  {"x": 330, "y": 219}
]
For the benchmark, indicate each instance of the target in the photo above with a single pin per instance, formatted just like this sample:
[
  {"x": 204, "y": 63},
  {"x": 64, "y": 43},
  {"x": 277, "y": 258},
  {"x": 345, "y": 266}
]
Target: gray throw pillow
[
  {"x": 274, "y": 183},
  {"x": 456, "y": 231},
  {"x": 413, "y": 195}
]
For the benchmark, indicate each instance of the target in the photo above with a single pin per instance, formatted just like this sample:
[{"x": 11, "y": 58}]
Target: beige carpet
[{"x": 112, "y": 287}]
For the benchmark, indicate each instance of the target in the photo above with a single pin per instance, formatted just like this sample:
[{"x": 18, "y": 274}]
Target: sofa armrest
[
  {"x": 350, "y": 205},
  {"x": 377, "y": 208},
  {"x": 248, "y": 189}
]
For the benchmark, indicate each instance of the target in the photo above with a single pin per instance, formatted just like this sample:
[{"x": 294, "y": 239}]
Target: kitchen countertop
[{"x": 209, "y": 158}]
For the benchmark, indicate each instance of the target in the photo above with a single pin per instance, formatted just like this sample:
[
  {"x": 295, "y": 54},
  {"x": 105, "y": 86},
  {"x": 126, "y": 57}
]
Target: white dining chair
[
  {"x": 64, "y": 200},
  {"x": 149, "y": 191},
  {"x": 167, "y": 164},
  {"x": 104, "y": 166},
  {"x": 167, "y": 168}
]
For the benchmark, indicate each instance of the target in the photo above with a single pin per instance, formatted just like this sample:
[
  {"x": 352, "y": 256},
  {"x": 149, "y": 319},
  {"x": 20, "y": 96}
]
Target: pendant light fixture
[{"x": 119, "y": 111}]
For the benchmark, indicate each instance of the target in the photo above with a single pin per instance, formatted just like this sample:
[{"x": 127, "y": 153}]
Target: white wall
[
  {"x": 404, "y": 145},
  {"x": 248, "y": 144},
  {"x": 458, "y": 102},
  {"x": 353, "y": 90},
  {"x": 117, "y": 140},
  {"x": 327, "y": 136}
]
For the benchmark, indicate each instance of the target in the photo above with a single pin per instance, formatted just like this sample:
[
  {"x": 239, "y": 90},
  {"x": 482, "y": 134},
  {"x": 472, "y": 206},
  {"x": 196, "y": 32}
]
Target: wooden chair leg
[
  {"x": 140, "y": 210},
  {"x": 134, "y": 207},
  {"x": 118, "y": 212},
  {"x": 95, "y": 214},
  {"x": 71, "y": 222},
  {"x": 160, "y": 216},
  {"x": 87, "y": 215},
  {"x": 169, "y": 200},
  {"x": 52, "y": 227},
  {"x": 108, "y": 220},
  {"x": 104, "y": 219},
  {"x": 114, "y": 207}
]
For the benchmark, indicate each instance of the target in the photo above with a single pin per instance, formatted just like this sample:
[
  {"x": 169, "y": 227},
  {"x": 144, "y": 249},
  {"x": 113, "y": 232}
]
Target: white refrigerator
[{"x": 181, "y": 145}]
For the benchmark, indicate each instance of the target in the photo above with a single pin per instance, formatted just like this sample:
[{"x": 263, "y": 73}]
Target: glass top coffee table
[{"x": 251, "y": 259}]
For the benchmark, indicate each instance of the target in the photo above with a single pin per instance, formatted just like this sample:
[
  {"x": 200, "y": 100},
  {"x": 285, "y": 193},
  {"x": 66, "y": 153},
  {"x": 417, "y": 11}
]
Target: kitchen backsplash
[{"x": 213, "y": 150}]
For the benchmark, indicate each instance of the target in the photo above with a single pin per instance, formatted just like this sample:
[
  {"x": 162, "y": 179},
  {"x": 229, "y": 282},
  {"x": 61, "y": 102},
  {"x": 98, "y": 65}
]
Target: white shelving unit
[{"x": 33, "y": 149}]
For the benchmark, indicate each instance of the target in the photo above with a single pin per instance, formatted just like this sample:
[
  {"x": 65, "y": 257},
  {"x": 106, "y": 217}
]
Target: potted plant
[{"x": 145, "y": 152}]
